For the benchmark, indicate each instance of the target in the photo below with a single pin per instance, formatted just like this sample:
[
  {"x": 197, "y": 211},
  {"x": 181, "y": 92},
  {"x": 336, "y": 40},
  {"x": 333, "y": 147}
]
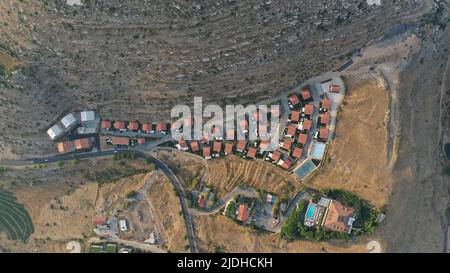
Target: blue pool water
[
  {"x": 310, "y": 211},
  {"x": 318, "y": 150},
  {"x": 305, "y": 169}
]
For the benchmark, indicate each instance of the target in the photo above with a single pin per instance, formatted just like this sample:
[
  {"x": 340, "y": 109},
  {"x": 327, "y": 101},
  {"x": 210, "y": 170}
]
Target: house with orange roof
[
  {"x": 303, "y": 138},
  {"x": 241, "y": 145},
  {"x": 295, "y": 116},
  {"x": 309, "y": 109},
  {"x": 293, "y": 100},
  {"x": 243, "y": 213},
  {"x": 161, "y": 127},
  {"x": 195, "y": 146},
  {"x": 323, "y": 133},
  {"x": 285, "y": 163},
  {"x": 274, "y": 111},
  {"x": 65, "y": 147},
  {"x": 325, "y": 104},
  {"x": 147, "y": 127},
  {"x": 141, "y": 141},
  {"x": 287, "y": 144},
  {"x": 297, "y": 153},
  {"x": 325, "y": 118},
  {"x": 230, "y": 134},
  {"x": 105, "y": 124},
  {"x": 133, "y": 125},
  {"x": 243, "y": 125},
  {"x": 182, "y": 145},
  {"x": 217, "y": 147},
  {"x": 201, "y": 201},
  {"x": 275, "y": 156},
  {"x": 120, "y": 141},
  {"x": 251, "y": 153},
  {"x": 228, "y": 148},
  {"x": 306, "y": 94},
  {"x": 82, "y": 144},
  {"x": 207, "y": 152},
  {"x": 291, "y": 131},
  {"x": 176, "y": 126},
  {"x": 334, "y": 88},
  {"x": 338, "y": 218},
  {"x": 119, "y": 125},
  {"x": 306, "y": 125}
]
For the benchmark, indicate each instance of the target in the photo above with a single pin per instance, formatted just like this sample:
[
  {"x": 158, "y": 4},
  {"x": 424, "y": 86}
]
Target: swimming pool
[
  {"x": 305, "y": 169},
  {"x": 310, "y": 211}
]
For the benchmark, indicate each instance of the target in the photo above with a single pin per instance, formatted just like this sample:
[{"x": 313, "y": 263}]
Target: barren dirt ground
[
  {"x": 62, "y": 201},
  {"x": 218, "y": 233},
  {"x": 416, "y": 219},
  {"x": 138, "y": 59},
  {"x": 357, "y": 160},
  {"x": 166, "y": 209},
  {"x": 225, "y": 174}
]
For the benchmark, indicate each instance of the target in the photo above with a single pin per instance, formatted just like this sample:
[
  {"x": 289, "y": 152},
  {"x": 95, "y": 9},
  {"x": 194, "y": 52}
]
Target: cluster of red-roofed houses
[{"x": 305, "y": 123}]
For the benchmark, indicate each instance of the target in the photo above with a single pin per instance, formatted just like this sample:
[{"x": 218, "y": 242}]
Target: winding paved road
[{"x": 143, "y": 153}]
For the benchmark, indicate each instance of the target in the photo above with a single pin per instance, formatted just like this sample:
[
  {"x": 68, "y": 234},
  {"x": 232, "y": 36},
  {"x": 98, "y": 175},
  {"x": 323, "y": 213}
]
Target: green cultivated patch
[{"x": 14, "y": 219}]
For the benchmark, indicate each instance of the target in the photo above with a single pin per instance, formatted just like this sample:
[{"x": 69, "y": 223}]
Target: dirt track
[{"x": 416, "y": 214}]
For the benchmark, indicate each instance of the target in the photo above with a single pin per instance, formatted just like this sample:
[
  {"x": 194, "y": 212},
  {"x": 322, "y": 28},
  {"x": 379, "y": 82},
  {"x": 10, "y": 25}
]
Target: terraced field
[{"x": 14, "y": 219}]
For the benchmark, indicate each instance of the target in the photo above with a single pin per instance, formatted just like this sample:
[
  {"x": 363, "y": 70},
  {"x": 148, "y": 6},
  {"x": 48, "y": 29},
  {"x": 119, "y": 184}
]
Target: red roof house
[
  {"x": 65, "y": 146},
  {"x": 297, "y": 153},
  {"x": 295, "y": 116},
  {"x": 323, "y": 133},
  {"x": 243, "y": 213},
  {"x": 276, "y": 155},
  {"x": 161, "y": 127},
  {"x": 241, "y": 144},
  {"x": 194, "y": 146},
  {"x": 339, "y": 217},
  {"x": 146, "y": 127},
  {"x": 133, "y": 125},
  {"x": 99, "y": 220},
  {"x": 287, "y": 143},
  {"x": 306, "y": 95},
  {"x": 105, "y": 124},
  {"x": 334, "y": 88},
  {"x": 292, "y": 130},
  {"x": 207, "y": 152},
  {"x": 303, "y": 138},
  {"x": 251, "y": 153},
  {"x": 294, "y": 99},
  {"x": 82, "y": 143},
  {"x": 217, "y": 147},
  {"x": 120, "y": 141},
  {"x": 307, "y": 123},
  {"x": 119, "y": 125},
  {"x": 286, "y": 164},
  {"x": 325, "y": 118},
  {"x": 309, "y": 109},
  {"x": 326, "y": 104},
  {"x": 228, "y": 148},
  {"x": 141, "y": 140}
]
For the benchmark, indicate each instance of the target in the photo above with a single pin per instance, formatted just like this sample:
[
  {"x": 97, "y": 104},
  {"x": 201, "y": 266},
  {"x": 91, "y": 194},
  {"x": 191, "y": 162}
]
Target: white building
[
  {"x": 87, "y": 116},
  {"x": 55, "y": 131},
  {"x": 69, "y": 120},
  {"x": 123, "y": 225}
]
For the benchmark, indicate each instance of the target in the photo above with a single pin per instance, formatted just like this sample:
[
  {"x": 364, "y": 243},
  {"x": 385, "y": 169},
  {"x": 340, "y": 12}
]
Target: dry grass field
[
  {"x": 358, "y": 157},
  {"x": 218, "y": 233}
]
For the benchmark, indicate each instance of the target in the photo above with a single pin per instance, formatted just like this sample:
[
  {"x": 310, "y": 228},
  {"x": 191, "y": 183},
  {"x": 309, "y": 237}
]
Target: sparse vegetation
[{"x": 14, "y": 218}]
